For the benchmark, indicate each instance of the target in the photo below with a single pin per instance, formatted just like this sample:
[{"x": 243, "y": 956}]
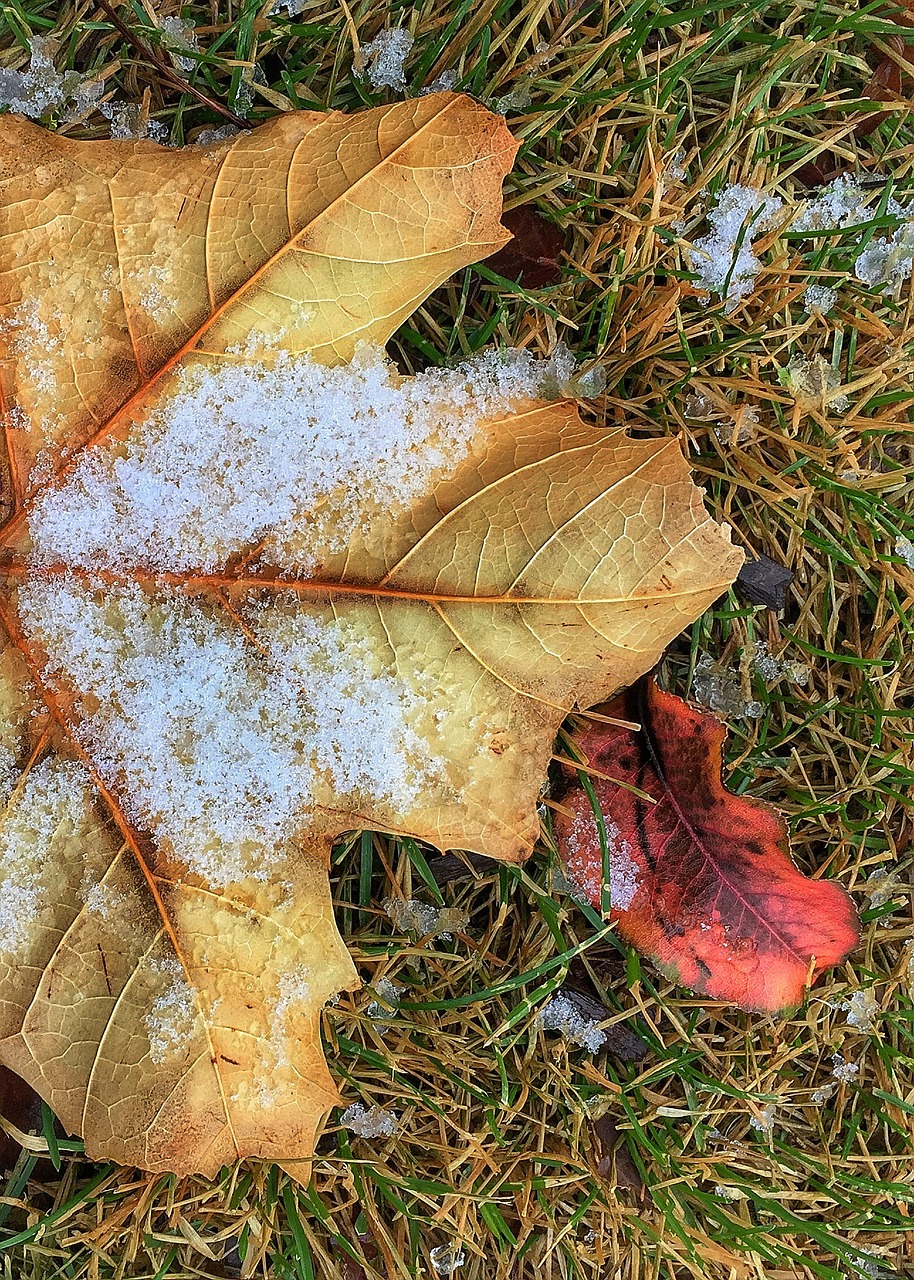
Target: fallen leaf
[
  {"x": 532, "y": 256},
  {"x": 260, "y": 590},
  {"x": 615, "y": 1165},
  {"x": 700, "y": 879}
]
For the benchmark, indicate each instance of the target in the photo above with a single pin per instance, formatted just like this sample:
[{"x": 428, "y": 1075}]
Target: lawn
[{"x": 717, "y": 1144}]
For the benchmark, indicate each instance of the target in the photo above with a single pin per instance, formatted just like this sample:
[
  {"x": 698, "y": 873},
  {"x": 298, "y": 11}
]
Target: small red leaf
[
  {"x": 702, "y": 879},
  {"x": 532, "y": 257}
]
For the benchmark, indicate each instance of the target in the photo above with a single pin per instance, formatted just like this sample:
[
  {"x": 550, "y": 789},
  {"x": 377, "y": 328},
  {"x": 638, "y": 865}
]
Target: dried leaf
[
  {"x": 701, "y": 880},
  {"x": 532, "y": 256},
  {"x": 192, "y": 713}
]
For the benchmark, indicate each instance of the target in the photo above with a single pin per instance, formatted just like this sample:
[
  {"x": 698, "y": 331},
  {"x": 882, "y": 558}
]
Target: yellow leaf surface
[{"x": 230, "y": 640}]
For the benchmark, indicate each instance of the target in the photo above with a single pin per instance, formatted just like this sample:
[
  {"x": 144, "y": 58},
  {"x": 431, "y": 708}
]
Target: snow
[
  {"x": 723, "y": 260},
  {"x": 293, "y": 996},
  {"x": 813, "y": 381},
  {"x": 446, "y": 1258},
  {"x": 370, "y": 1122},
  {"x": 904, "y": 548},
  {"x": 130, "y": 123},
  {"x": 385, "y": 56},
  {"x": 42, "y": 89},
  {"x": 442, "y": 83},
  {"x": 844, "y": 1072},
  {"x": 772, "y": 668},
  {"x": 180, "y": 37},
  {"x": 563, "y": 1015},
  {"x": 52, "y": 807},
  {"x": 221, "y": 746},
  {"x": 292, "y": 8},
  {"x": 382, "y": 1010},
  {"x": 841, "y": 204},
  {"x": 281, "y": 449},
  {"x": 412, "y": 916},
  {"x": 862, "y": 1008},
  {"x": 764, "y": 1122},
  {"x": 583, "y": 863},
  {"x": 821, "y": 297},
  {"x": 720, "y": 690},
  {"x": 172, "y": 1018}
]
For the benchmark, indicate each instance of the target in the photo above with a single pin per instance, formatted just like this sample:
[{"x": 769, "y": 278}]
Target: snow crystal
[
  {"x": 51, "y": 806},
  {"x": 728, "y": 1193},
  {"x": 861, "y": 1008},
  {"x": 563, "y": 1015},
  {"x": 172, "y": 1019},
  {"x": 881, "y": 886},
  {"x": 388, "y": 991},
  {"x": 841, "y": 204},
  {"x": 446, "y": 1258},
  {"x": 206, "y": 137},
  {"x": 723, "y": 261},
  {"x": 721, "y": 691},
  {"x": 384, "y": 58},
  {"x": 180, "y": 36},
  {"x": 887, "y": 262},
  {"x": 561, "y": 377},
  {"x": 442, "y": 83},
  {"x": 42, "y": 88},
  {"x": 772, "y": 668},
  {"x": 843, "y": 1071},
  {"x": 412, "y": 916},
  {"x": 292, "y": 8},
  {"x": 288, "y": 453},
  {"x": 584, "y": 867},
  {"x": 813, "y": 382},
  {"x": 518, "y": 99},
  {"x": 821, "y": 297},
  {"x": 370, "y": 1122},
  {"x": 904, "y": 548},
  {"x": 765, "y": 1121},
  {"x": 220, "y": 746},
  {"x": 130, "y": 122}
]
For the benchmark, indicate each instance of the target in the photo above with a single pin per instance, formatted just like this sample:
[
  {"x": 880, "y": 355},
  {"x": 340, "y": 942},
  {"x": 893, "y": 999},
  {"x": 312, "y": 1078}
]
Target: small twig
[{"x": 148, "y": 54}]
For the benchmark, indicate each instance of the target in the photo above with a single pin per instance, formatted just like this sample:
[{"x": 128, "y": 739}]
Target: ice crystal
[
  {"x": 720, "y": 690},
  {"x": 904, "y": 548},
  {"x": 172, "y": 1018},
  {"x": 369, "y": 1122},
  {"x": 821, "y": 297},
  {"x": 563, "y": 1015},
  {"x": 385, "y": 58},
  {"x": 412, "y": 916},
  {"x": 724, "y": 261},
  {"x": 446, "y": 1258}
]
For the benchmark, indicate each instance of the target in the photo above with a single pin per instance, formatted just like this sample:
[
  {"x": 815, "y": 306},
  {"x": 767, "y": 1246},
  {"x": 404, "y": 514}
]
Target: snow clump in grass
[
  {"x": 385, "y": 57},
  {"x": 820, "y": 297},
  {"x": 723, "y": 261},
  {"x": 412, "y": 916},
  {"x": 564, "y": 1016},
  {"x": 42, "y": 88},
  {"x": 446, "y": 1258},
  {"x": 841, "y": 204},
  {"x": 369, "y": 1122},
  {"x": 904, "y": 548}
]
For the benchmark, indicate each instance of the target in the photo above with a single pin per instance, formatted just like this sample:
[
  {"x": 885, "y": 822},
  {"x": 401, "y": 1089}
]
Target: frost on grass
[
  {"x": 720, "y": 690},
  {"x": 724, "y": 261},
  {"x": 413, "y": 916},
  {"x": 583, "y": 865},
  {"x": 564, "y": 1016},
  {"x": 172, "y": 1019},
  {"x": 384, "y": 58},
  {"x": 820, "y": 297},
  {"x": 369, "y": 1122},
  {"x": 284, "y": 452},
  {"x": 42, "y": 89}
]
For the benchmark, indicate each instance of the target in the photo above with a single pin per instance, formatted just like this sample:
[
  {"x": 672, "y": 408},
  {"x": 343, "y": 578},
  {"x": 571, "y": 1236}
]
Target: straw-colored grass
[{"x": 639, "y": 111}]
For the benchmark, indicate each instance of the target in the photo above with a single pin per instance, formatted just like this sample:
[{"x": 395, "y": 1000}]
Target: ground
[{"x": 744, "y": 1147}]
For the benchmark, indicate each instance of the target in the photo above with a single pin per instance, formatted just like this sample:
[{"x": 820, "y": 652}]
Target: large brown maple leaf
[{"x": 258, "y": 591}]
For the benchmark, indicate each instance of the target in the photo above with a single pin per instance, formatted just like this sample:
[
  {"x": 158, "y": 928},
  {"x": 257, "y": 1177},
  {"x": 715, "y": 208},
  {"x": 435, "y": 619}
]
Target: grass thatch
[{"x": 639, "y": 111}]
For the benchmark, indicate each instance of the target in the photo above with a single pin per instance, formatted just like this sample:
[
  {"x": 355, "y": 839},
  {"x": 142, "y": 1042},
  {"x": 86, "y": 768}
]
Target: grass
[{"x": 498, "y": 1151}]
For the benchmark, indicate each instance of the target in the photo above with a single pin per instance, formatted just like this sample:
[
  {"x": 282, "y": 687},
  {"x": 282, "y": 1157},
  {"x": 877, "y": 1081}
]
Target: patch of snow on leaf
[
  {"x": 293, "y": 993},
  {"x": 369, "y": 1122},
  {"x": 723, "y": 260},
  {"x": 385, "y": 57},
  {"x": 216, "y": 745},
  {"x": 583, "y": 864},
  {"x": 172, "y": 1019},
  {"x": 52, "y": 805},
  {"x": 287, "y": 452},
  {"x": 564, "y": 1016}
]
